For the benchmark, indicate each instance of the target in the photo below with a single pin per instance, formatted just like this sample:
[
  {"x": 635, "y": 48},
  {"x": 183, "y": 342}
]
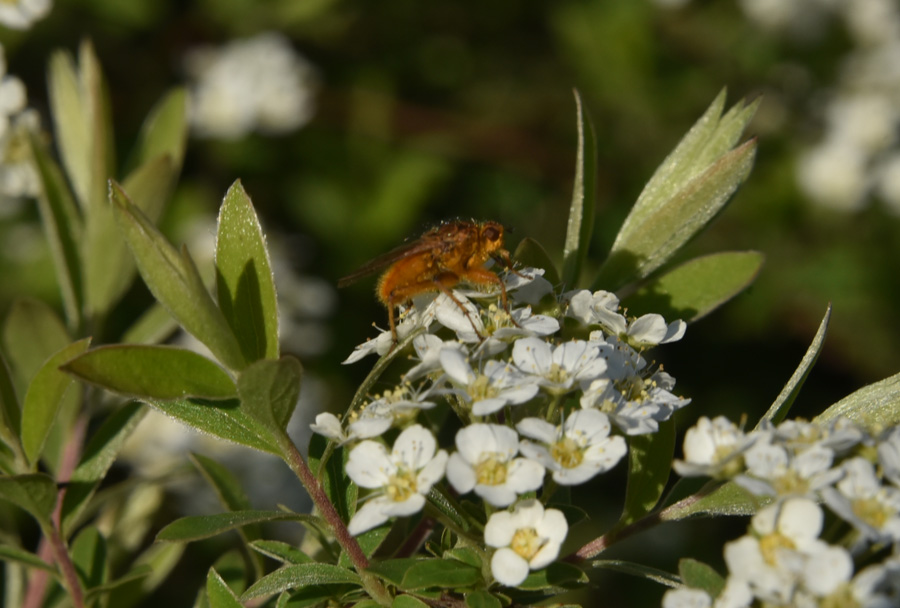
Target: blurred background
[{"x": 354, "y": 125}]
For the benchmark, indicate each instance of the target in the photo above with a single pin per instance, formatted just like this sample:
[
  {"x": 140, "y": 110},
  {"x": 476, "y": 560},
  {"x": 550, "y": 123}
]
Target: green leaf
[
  {"x": 646, "y": 572},
  {"x": 109, "y": 269},
  {"x": 153, "y": 372},
  {"x": 300, "y": 575},
  {"x": 159, "y": 560},
  {"x": 440, "y": 573},
  {"x": 96, "y": 459},
  {"x": 89, "y": 556},
  {"x": 649, "y": 464},
  {"x": 779, "y": 409},
  {"x": 164, "y": 132},
  {"x": 69, "y": 110},
  {"x": 392, "y": 570},
  {"x": 716, "y": 500},
  {"x": 224, "y": 483},
  {"x": 44, "y": 397},
  {"x": 558, "y": 575},
  {"x": 35, "y": 493},
  {"x": 281, "y": 551},
  {"x": 198, "y": 527},
  {"x": 9, "y": 553},
  {"x": 223, "y": 419},
  {"x": 63, "y": 227},
  {"x": 173, "y": 279},
  {"x": 32, "y": 332},
  {"x": 876, "y": 406},
  {"x": 690, "y": 188},
  {"x": 134, "y": 576},
  {"x": 219, "y": 594},
  {"x": 408, "y": 601},
  {"x": 581, "y": 210},
  {"x": 269, "y": 391},
  {"x": 697, "y": 287},
  {"x": 482, "y": 599},
  {"x": 152, "y": 327},
  {"x": 244, "y": 282},
  {"x": 529, "y": 252},
  {"x": 698, "y": 575},
  {"x": 10, "y": 412}
]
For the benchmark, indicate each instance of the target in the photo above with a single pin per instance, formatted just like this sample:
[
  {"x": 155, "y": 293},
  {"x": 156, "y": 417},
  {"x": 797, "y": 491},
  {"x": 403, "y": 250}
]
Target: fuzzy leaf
[
  {"x": 696, "y": 288},
  {"x": 222, "y": 419},
  {"x": 226, "y": 485},
  {"x": 153, "y": 372},
  {"x": 690, "y": 187},
  {"x": 219, "y": 594},
  {"x": 876, "y": 406},
  {"x": 89, "y": 556},
  {"x": 482, "y": 599},
  {"x": 727, "y": 499},
  {"x": 152, "y": 327},
  {"x": 698, "y": 575},
  {"x": 440, "y": 573},
  {"x": 198, "y": 527},
  {"x": 281, "y": 551},
  {"x": 73, "y": 133},
  {"x": 408, "y": 601},
  {"x": 244, "y": 281},
  {"x": 779, "y": 409},
  {"x": 32, "y": 332},
  {"x": 164, "y": 132},
  {"x": 10, "y": 410},
  {"x": 174, "y": 281},
  {"x": 392, "y": 570},
  {"x": 581, "y": 210},
  {"x": 35, "y": 493},
  {"x": 8, "y": 553},
  {"x": 300, "y": 575},
  {"x": 558, "y": 575},
  {"x": 652, "y": 574},
  {"x": 44, "y": 397},
  {"x": 269, "y": 391},
  {"x": 63, "y": 228}
]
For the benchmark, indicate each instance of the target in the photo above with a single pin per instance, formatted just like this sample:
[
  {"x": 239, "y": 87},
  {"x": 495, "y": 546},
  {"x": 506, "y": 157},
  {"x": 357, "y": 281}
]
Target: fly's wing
[{"x": 386, "y": 259}]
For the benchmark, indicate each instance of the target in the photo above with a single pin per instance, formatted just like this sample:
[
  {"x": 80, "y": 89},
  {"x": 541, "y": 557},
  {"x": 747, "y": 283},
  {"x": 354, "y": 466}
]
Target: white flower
[
  {"x": 461, "y": 316},
  {"x": 489, "y": 389},
  {"x": 401, "y": 478},
  {"x": 577, "y": 450},
  {"x": 713, "y": 448},
  {"x": 428, "y": 350},
  {"x": 833, "y": 175},
  {"x": 839, "y": 435},
  {"x": 18, "y": 176},
  {"x": 686, "y": 597},
  {"x": 773, "y": 559},
  {"x": 773, "y": 470},
  {"x": 559, "y": 368},
  {"x": 598, "y": 308},
  {"x": 861, "y": 500},
  {"x": 526, "y": 539},
  {"x": 393, "y": 407},
  {"x": 486, "y": 462},
  {"x": 259, "y": 83},
  {"x": 384, "y": 341},
  {"x": 21, "y": 14},
  {"x": 328, "y": 425},
  {"x": 889, "y": 455}
]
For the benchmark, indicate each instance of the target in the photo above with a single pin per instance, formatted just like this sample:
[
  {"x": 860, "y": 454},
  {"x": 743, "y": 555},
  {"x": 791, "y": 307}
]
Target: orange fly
[{"x": 437, "y": 261}]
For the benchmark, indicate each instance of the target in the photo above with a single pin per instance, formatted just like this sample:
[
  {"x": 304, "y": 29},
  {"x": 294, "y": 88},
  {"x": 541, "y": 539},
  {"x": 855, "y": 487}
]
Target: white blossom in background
[
  {"x": 528, "y": 538},
  {"x": 18, "y": 177},
  {"x": 486, "y": 462},
  {"x": 21, "y": 14},
  {"x": 576, "y": 450},
  {"x": 401, "y": 478},
  {"x": 862, "y": 501},
  {"x": 256, "y": 84},
  {"x": 774, "y": 470}
]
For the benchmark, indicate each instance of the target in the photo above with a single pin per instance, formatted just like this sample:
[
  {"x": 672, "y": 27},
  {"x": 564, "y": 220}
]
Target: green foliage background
[{"x": 430, "y": 110}]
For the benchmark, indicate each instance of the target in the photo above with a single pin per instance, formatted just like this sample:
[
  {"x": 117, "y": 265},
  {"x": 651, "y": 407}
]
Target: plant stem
[{"x": 295, "y": 461}]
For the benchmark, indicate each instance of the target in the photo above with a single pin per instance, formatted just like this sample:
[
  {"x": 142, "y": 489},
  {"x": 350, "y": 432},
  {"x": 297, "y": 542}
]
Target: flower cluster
[
  {"x": 546, "y": 390},
  {"x": 18, "y": 178},
  {"x": 784, "y": 560}
]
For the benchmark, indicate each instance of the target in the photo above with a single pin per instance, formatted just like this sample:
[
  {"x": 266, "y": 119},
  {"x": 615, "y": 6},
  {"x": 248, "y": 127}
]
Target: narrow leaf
[
  {"x": 697, "y": 575},
  {"x": 174, "y": 281},
  {"x": 244, "y": 281},
  {"x": 164, "y": 132},
  {"x": 159, "y": 560},
  {"x": 269, "y": 391},
  {"x": 581, "y": 210},
  {"x": 63, "y": 228},
  {"x": 198, "y": 527},
  {"x": 89, "y": 556},
  {"x": 224, "y": 483},
  {"x": 482, "y": 599},
  {"x": 9, "y": 553},
  {"x": 301, "y": 575},
  {"x": 219, "y": 594},
  {"x": 153, "y": 327},
  {"x": 73, "y": 134},
  {"x": 10, "y": 412},
  {"x": 222, "y": 419},
  {"x": 96, "y": 459},
  {"x": 649, "y": 464},
  {"x": 153, "y": 372},
  {"x": 440, "y": 573},
  {"x": 43, "y": 399},
  {"x": 281, "y": 551},
  {"x": 392, "y": 570},
  {"x": 640, "y": 570},
  {"x": 696, "y": 288},
  {"x": 98, "y": 117},
  {"x": 876, "y": 406},
  {"x": 408, "y": 601},
  {"x": 34, "y": 493},
  {"x": 779, "y": 409},
  {"x": 726, "y": 499},
  {"x": 32, "y": 332}
]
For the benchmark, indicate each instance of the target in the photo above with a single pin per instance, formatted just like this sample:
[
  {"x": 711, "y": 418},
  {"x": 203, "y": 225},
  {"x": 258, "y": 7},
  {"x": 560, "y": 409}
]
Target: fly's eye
[{"x": 492, "y": 233}]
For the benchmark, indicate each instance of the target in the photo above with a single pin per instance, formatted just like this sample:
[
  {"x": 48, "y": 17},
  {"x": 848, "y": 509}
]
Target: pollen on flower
[
  {"x": 526, "y": 543},
  {"x": 791, "y": 482},
  {"x": 771, "y": 544},
  {"x": 481, "y": 388},
  {"x": 872, "y": 511},
  {"x": 401, "y": 486},
  {"x": 567, "y": 453},
  {"x": 491, "y": 471}
]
